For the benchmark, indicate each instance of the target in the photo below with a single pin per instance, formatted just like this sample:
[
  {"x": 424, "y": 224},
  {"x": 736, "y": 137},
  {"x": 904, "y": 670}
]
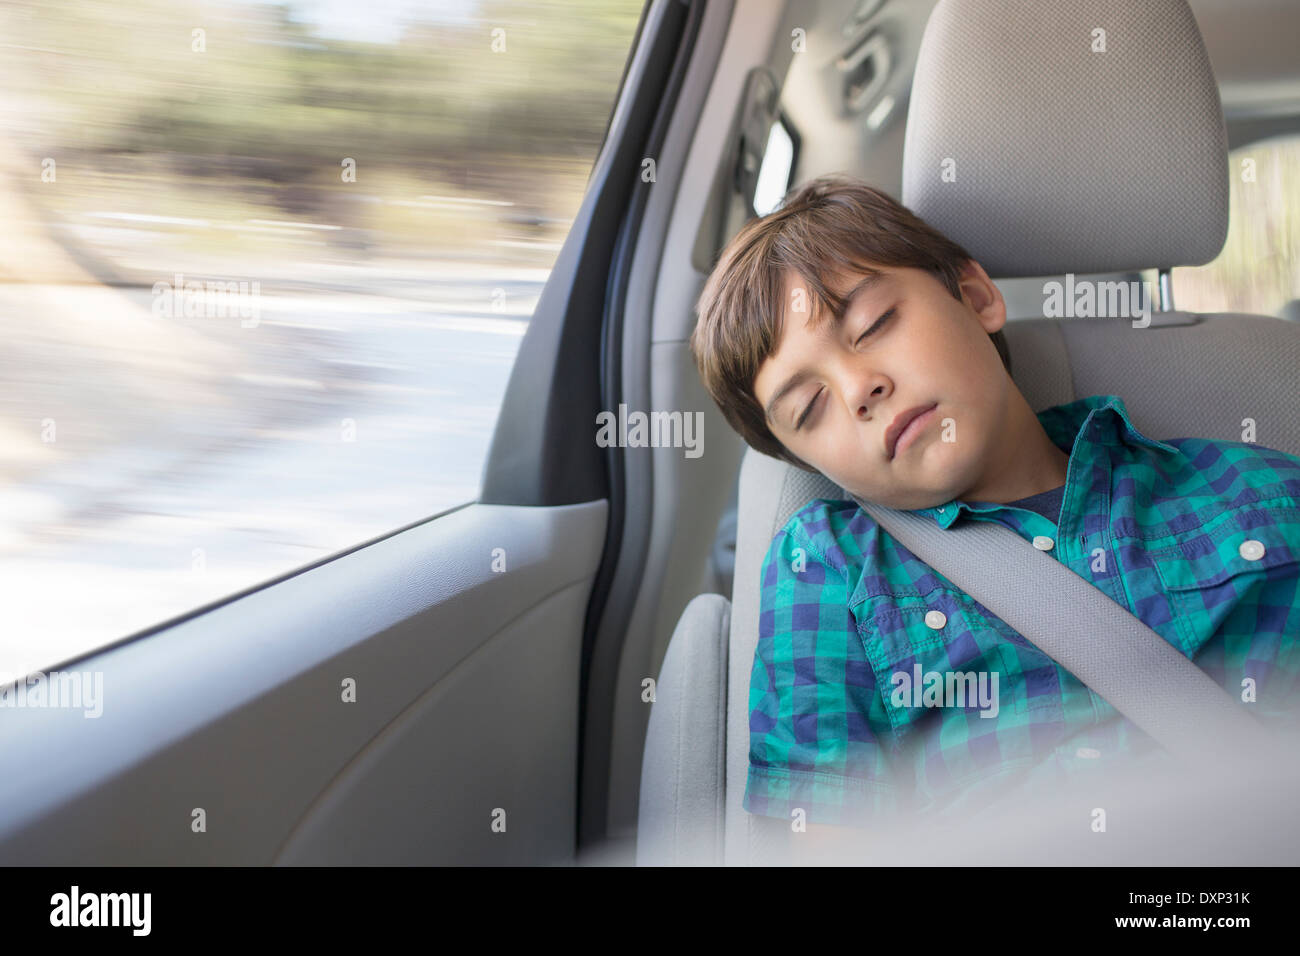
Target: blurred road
[{"x": 151, "y": 464}]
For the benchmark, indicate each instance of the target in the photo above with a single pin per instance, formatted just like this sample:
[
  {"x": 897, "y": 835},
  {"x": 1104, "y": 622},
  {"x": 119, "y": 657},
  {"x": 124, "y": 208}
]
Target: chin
[{"x": 848, "y": 487}]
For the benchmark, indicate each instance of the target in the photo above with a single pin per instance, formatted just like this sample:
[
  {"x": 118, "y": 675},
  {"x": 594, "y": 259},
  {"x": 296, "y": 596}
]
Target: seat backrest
[{"x": 1081, "y": 162}]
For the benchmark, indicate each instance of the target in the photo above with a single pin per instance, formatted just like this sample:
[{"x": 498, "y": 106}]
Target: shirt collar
[{"x": 1082, "y": 428}]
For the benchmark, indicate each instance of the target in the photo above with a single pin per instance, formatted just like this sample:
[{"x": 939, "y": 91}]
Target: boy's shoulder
[
  {"x": 837, "y": 533},
  {"x": 1232, "y": 469},
  {"x": 1235, "y": 448}
]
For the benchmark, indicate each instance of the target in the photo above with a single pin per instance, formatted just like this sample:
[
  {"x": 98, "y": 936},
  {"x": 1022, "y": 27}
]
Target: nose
[{"x": 864, "y": 392}]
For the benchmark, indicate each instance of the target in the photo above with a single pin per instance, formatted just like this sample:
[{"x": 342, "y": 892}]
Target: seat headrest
[{"x": 1075, "y": 136}]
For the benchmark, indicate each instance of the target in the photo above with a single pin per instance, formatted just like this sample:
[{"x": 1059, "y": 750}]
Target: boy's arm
[{"x": 817, "y": 721}]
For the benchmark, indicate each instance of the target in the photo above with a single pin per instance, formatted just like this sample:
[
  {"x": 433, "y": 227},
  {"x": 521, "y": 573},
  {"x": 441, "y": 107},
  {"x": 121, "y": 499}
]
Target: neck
[{"x": 1026, "y": 462}]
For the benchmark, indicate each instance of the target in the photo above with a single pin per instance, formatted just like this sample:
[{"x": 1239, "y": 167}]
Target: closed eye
[
  {"x": 807, "y": 411},
  {"x": 889, "y": 313}
]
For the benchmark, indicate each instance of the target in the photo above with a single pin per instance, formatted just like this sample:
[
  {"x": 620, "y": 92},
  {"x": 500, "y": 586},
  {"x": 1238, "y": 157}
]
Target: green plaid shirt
[{"x": 1198, "y": 538}]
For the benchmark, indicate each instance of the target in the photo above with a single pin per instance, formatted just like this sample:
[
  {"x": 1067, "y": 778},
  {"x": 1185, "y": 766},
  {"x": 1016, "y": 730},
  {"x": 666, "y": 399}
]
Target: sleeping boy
[{"x": 842, "y": 334}]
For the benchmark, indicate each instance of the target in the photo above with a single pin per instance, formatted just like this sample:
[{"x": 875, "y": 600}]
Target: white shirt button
[
  {"x": 1087, "y": 752},
  {"x": 1043, "y": 543},
  {"x": 936, "y": 619},
  {"x": 1251, "y": 550}
]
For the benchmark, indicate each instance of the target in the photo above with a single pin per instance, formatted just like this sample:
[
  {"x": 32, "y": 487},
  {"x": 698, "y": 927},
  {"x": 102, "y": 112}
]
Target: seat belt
[{"x": 1142, "y": 675}]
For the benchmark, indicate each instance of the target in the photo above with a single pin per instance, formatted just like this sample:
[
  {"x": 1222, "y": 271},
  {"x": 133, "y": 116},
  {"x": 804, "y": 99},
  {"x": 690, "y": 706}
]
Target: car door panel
[{"x": 465, "y": 672}]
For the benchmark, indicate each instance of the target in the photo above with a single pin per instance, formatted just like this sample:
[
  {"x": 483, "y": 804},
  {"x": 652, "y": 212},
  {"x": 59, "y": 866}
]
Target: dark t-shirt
[{"x": 1047, "y": 504}]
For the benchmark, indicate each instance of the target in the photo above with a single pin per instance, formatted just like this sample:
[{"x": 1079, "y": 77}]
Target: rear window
[{"x": 1258, "y": 270}]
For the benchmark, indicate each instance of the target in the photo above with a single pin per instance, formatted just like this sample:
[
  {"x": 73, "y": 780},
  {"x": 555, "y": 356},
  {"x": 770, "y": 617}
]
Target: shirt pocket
[
  {"x": 908, "y": 638},
  {"x": 1209, "y": 571}
]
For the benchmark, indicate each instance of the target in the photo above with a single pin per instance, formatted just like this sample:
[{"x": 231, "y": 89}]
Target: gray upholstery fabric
[
  {"x": 680, "y": 817},
  {"x": 1185, "y": 375},
  {"x": 1067, "y": 160},
  {"x": 770, "y": 491}
]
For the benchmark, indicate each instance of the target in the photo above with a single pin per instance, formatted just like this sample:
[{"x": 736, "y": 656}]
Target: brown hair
[{"x": 829, "y": 220}]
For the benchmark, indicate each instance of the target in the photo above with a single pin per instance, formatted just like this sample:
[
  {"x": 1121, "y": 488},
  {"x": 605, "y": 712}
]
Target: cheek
[
  {"x": 957, "y": 367},
  {"x": 937, "y": 354},
  {"x": 967, "y": 430},
  {"x": 848, "y": 457}
]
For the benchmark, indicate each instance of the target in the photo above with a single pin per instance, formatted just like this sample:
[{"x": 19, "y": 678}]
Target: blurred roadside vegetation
[
  {"x": 1258, "y": 270},
  {"x": 256, "y": 126},
  {"x": 461, "y": 152}
]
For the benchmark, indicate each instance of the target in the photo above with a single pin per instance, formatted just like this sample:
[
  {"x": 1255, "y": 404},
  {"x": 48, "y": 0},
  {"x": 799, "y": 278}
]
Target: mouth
[{"x": 906, "y": 426}]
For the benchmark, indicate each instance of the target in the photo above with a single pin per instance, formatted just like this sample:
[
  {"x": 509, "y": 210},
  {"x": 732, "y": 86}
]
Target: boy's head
[{"x": 805, "y": 375}]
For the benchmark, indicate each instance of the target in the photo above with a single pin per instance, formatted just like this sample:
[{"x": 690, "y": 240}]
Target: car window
[
  {"x": 266, "y": 269},
  {"x": 1258, "y": 269}
]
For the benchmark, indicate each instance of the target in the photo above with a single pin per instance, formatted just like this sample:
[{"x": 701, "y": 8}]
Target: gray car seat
[{"x": 1066, "y": 159}]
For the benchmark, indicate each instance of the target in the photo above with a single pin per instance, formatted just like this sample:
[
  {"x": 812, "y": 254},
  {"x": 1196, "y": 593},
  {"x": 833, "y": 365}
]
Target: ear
[{"x": 979, "y": 292}]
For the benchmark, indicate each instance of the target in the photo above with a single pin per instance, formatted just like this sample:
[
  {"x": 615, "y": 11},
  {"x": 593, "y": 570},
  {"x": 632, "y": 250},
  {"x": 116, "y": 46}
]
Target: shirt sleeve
[{"x": 819, "y": 737}]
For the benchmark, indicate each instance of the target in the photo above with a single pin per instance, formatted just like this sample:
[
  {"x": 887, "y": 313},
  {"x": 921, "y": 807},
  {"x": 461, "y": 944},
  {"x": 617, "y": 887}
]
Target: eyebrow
[{"x": 865, "y": 284}]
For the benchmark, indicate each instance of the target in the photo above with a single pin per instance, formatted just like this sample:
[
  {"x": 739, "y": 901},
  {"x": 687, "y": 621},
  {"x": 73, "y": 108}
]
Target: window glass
[
  {"x": 266, "y": 267},
  {"x": 1258, "y": 270},
  {"x": 774, "y": 174}
]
